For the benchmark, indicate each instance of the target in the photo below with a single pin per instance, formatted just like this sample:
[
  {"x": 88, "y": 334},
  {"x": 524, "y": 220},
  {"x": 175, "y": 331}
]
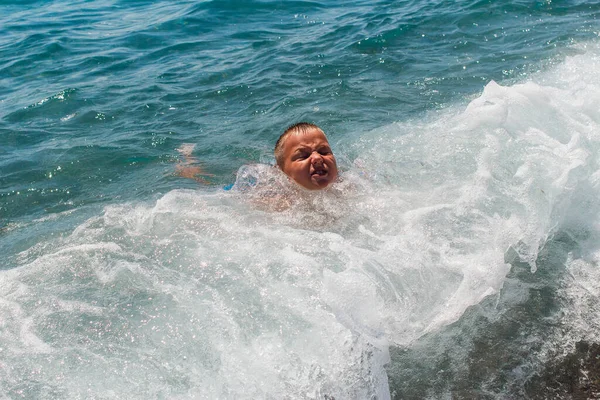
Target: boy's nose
[{"x": 316, "y": 158}]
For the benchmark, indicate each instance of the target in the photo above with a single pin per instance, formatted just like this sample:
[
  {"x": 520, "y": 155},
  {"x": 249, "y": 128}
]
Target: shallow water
[{"x": 466, "y": 226}]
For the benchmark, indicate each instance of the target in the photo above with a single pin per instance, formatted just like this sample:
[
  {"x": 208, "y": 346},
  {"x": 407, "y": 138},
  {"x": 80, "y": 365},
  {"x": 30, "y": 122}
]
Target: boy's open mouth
[{"x": 319, "y": 172}]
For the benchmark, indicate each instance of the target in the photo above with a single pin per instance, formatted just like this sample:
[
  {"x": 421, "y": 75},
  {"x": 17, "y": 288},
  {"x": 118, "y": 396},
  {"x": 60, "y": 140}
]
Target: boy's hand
[{"x": 187, "y": 167}]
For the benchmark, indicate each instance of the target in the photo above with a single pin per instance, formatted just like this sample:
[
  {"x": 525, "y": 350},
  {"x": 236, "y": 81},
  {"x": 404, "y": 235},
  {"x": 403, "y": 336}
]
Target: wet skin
[{"x": 308, "y": 159}]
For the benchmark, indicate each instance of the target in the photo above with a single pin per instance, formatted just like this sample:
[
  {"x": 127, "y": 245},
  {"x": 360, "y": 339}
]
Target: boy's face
[{"x": 308, "y": 159}]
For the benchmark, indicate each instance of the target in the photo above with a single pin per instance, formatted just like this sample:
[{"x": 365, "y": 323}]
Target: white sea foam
[{"x": 212, "y": 294}]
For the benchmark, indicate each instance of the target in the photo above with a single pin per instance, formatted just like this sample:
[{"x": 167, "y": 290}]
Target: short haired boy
[{"x": 303, "y": 153}]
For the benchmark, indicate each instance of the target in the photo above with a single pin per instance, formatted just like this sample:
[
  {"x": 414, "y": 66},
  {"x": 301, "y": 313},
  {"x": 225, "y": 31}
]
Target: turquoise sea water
[{"x": 457, "y": 260}]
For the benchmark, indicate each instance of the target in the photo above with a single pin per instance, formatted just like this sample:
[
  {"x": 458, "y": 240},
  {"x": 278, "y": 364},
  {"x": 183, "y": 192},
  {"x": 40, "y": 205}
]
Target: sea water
[{"x": 458, "y": 257}]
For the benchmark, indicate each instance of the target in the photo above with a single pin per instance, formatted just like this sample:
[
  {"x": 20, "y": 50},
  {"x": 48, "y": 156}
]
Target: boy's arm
[{"x": 188, "y": 168}]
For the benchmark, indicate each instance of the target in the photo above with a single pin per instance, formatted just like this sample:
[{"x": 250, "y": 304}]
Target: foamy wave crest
[{"x": 465, "y": 191}]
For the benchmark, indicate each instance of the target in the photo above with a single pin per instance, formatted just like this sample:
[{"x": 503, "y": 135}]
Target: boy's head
[{"x": 303, "y": 153}]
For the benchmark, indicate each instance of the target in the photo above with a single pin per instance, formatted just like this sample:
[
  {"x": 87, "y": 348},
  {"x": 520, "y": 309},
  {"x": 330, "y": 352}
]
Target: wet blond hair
[{"x": 300, "y": 127}]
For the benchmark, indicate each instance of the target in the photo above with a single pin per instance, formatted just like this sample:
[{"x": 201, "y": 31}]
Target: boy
[{"x": 302, "y": 152}]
